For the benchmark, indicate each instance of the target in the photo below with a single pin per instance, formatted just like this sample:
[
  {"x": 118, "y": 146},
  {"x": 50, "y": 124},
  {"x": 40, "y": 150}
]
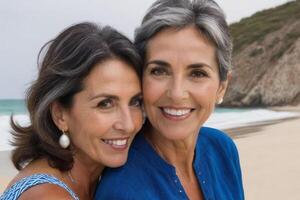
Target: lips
[
  {"x": 117, "y": 143},
  {"x": 176, "y": 113}
]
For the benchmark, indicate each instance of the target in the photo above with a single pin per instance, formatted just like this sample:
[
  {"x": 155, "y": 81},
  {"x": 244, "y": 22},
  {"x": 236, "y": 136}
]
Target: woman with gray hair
[
  {"x": 186, "y": 51},
  {"x": 84, "y": 108}
]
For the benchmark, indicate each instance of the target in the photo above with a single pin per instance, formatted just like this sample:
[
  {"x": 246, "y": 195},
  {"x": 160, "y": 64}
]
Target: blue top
[
  {"x": 16, "y": 190},
  {"x": 147, "y": 176}
]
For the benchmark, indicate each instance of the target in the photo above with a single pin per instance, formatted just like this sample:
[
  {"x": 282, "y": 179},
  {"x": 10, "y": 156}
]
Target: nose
[
  {"x": 176, "y": 89},
  {"x": 125, "y": 122}
]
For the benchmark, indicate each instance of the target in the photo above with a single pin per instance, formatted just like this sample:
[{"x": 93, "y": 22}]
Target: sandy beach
[
  {"x": 7, "y": 170},
  {"x": 269, "y": 156}
]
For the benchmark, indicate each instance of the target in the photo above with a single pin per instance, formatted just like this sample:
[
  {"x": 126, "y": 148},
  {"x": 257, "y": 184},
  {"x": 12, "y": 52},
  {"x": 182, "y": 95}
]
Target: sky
[{"x": 26, "y": 25}]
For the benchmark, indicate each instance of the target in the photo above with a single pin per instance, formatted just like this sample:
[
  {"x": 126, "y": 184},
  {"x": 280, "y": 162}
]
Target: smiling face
[
  {"x": 181, "y": 82},
  {"x": 106, "y": 114}
]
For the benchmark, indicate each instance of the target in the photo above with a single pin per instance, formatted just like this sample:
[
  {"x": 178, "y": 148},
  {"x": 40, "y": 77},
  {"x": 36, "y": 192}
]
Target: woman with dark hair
[
  {"x": 186, "y": 52},
  {"x": 84, "y": 108}
]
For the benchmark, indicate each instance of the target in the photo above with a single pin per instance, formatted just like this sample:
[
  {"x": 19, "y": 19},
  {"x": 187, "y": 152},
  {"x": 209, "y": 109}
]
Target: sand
[
  {"x": 270, "y": 161},
  {"x": 269, "y": 155},
  {"x": 7, "y": 170}
]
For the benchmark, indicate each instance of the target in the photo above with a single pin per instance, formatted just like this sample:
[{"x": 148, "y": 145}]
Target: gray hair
[{"x": 206, "y": 15}]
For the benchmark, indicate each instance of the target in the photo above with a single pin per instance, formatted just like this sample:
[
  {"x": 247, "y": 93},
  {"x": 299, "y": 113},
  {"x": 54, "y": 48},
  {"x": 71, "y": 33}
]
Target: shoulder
[
  {"x": 52, "y": 192},
  {"x": 214, "y": 134},
  {"x": 127, "y": 181},
  {"x": 114, "y": 184},
  {"x": 217, "y": 145},
  {"x": 35, "y": 186},
  {"x": 126, "y": 176},
  {"x": 221, "y": 157},
  {"x": 217, "y": 138}
]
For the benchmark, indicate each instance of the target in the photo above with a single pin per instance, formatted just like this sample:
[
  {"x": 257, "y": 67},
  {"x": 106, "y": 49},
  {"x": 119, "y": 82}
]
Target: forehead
[
  {"x": 186, "y": 44},
  {"x": 113, "y": 76}
]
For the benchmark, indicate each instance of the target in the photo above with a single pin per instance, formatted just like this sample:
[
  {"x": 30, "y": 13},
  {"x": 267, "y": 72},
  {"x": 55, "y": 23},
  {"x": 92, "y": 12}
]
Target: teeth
[
  {"x": 176, "y": 112},
  {"x": 116, "y": 142}
]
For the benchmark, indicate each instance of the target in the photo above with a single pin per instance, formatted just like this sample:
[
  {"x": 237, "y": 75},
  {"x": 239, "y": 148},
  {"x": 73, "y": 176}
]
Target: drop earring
[
  {"x": 64, "y": 140},
  {"x": 220, "y": 101}
]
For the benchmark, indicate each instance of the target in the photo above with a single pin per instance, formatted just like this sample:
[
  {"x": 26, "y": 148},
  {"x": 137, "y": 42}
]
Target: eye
[
  {"x": 198, "y": 74},
  {"x": 159, "y": 71},
  {"x": 106, "y": 103},
  {"x": 136, "y": 102}
]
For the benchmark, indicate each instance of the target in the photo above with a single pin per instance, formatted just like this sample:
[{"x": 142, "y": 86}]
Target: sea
[{"x": 222, "y": 118}]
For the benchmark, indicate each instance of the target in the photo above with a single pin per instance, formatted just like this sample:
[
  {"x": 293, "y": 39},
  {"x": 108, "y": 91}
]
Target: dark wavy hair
[{"x": 68, "y": 59}]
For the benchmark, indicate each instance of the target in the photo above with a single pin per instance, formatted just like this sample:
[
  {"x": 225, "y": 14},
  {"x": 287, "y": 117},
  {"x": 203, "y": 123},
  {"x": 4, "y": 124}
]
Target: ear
[
  {"x": 223, "y": 87},
  {"x": 58, "y": 114}
]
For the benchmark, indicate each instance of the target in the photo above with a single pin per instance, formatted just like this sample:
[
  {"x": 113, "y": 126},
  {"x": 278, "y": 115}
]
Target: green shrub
[
  {"x": 256, "y": 27},
  {"x": 256, "y": 52}
]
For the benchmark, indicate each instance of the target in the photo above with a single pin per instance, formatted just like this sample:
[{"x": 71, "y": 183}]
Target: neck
[
  {"x": 179, "y": 153},
  {"x": 85, "y": 174}
]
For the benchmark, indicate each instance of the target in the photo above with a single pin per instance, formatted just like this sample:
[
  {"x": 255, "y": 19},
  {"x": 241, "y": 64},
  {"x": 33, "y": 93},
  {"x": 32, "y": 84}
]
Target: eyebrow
[
  {"x": 158, "y": 62},
  {"x": 199, "y": 65},
  {"x": 138, "y": 95},
  {"x": 191, "y": 66},
  {"x": 104, "y": 95}
]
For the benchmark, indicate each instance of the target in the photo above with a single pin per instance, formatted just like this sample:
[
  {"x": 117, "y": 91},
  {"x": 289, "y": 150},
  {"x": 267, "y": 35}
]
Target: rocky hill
[{"x": 266, "y": 58}]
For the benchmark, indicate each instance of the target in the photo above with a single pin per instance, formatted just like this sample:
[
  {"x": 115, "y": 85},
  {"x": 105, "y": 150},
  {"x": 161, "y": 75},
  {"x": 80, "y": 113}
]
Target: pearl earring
[
  {"x": 220, "y": 101},
  {"x": 64, "y": 140}
]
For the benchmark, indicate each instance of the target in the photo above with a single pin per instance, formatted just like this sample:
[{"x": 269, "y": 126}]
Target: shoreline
[
  {"x": 253, "y": 128},
  {"x": 247, "y": 131},
  {"x": 268, "y": 155}
]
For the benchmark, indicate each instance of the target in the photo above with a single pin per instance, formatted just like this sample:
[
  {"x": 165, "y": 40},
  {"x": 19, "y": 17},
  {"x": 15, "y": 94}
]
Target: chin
[
  {"x": 176, "y": 134},
  {"x": 116, "y": 162}
]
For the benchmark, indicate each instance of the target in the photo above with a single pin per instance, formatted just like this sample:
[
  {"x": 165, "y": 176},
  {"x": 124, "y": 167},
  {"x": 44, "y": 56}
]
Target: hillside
[{"x": 266, "y": 58}]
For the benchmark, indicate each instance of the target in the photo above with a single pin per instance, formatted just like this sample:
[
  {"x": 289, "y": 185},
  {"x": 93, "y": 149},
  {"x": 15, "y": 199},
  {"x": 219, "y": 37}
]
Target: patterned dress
[{"x": 16, "y": 190}]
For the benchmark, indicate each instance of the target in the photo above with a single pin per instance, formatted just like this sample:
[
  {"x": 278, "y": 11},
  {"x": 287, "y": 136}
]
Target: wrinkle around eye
[
  {"x": 105, "y": 104},
  {"x": 137, "y": 101},
  {"x": 199, "y": 74},
  {"x": 159, "y": 71}
]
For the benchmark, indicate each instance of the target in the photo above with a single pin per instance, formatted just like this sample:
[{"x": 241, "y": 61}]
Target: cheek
[
  {"x": 152, "y": 89},
  {"x": 90, "y": 125},
  {"x": 147, "y": 87},
  {"x": 76, "y": 126},
  {"x": 78, "y": 117},
  {"x": 138, "y": 119},
  {"x": 206, "y": 92}
]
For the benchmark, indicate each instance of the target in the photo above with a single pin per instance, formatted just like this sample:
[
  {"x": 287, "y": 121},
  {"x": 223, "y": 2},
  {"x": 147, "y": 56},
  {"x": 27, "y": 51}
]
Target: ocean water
[
  {"x": 8, "y": 107},
  {"x": 222, "y": 118},
  {"x": 15, "y": 106}
]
